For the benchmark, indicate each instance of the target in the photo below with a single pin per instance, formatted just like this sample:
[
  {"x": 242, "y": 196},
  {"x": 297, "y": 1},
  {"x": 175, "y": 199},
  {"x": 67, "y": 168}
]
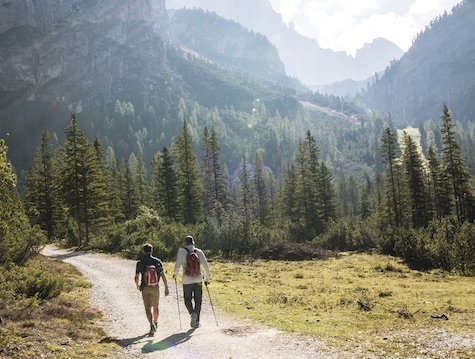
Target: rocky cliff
[{"x": 43, "y": 42}]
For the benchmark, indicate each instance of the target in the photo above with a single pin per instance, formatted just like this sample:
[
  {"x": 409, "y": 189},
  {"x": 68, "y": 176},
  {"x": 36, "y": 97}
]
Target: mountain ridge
[{"x": 303, "y": 57}]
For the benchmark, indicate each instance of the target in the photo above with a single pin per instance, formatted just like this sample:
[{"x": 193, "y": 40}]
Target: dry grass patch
[
  {"x": 356, "y": 300},
  {"x": 62, "y": 327}
]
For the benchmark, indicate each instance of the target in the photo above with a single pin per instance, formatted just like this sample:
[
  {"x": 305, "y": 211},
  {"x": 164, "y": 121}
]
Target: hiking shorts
[{"x": 150, "y": 296}]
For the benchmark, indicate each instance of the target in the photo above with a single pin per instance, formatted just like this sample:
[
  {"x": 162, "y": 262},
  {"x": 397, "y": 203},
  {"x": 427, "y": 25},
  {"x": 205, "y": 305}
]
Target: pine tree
[
  {"x": 455, "y": 170},
  {"x": 390, "y": 153},
  {"x": 439, "y": 197},
  {"x": 130, "y": 201},
  {"x": 414, "y": 181},
  {"x": 245, "y": 190},
  {"x": 189, "y": 179},
  {"x": 289, "y": 194},
  {"x": 216, "y": 192},
  {"x": 17, "y": 239},
  {"x": 166, "y": 185},
  {"x": 260, "y": 188},
  {"x": 42, "y": 201},
  {"x": 327, "y": 195},
  {"x": 7, "y": 177},
  {"x": 79, "y": 170},
  {"x": 104, "y": 204},
  {"x": 141, "y": 182}
]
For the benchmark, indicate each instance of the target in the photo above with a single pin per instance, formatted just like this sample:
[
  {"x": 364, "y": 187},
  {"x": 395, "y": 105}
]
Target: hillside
[
  {"x": 303, "y": 57},
  {"x": 203, "y": 32},
  {"x": 114, "y": 65},
  {"x": 439, "y": 68}
]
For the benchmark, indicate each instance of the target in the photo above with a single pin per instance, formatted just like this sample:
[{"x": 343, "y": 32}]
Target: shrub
[{"x": 34, "y": 281}]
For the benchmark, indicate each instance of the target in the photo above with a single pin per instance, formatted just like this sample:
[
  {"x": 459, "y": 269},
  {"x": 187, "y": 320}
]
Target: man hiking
[
  {"x": 191, "y": 259},
  {"x": 150, "y": 269}
]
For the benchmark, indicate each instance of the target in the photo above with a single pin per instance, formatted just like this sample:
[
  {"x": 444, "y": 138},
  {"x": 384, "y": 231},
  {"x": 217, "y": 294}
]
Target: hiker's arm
[
  {"x": 165, "y": 283},
  {"x": 179, "y": 259},
  {"x": 136, "y": 278}
]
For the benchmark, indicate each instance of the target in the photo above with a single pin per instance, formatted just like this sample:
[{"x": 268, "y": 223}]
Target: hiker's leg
[
  {"x": 147, "y": 302},
  {"x": 188, "y": 295},
  {"x": 148, "y": 312},
  {"x": 198, "y": 298},
  {"x": 155, "y": 300}
]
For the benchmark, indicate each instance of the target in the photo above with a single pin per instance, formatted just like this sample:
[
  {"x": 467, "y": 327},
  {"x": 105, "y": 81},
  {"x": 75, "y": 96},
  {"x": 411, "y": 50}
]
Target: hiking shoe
[
  {"x": 152, "y": 329},
  {"x": 194, "y": 317}
]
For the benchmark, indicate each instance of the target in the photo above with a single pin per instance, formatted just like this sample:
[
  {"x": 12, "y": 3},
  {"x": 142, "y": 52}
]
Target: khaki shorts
[{"x": 150, "y": 296}]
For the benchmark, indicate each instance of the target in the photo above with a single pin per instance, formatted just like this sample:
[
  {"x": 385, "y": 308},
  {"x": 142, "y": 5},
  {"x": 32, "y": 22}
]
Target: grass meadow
[
  {"x": 367, "y": 301},
  {"x": 64, "y": 327}
]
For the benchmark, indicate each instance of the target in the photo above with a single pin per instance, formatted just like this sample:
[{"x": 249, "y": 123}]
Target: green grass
[
  {"x": 320, "y": 298},
  {"x": 62, "y": 327}
]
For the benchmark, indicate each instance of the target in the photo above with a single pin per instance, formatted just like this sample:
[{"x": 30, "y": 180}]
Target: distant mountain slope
[
  {"x": 113, "y": 63},
  {"x": 303, "y": 57},
  {"x": 439, "y": 68},
  {"x": 203, "y": 32}
]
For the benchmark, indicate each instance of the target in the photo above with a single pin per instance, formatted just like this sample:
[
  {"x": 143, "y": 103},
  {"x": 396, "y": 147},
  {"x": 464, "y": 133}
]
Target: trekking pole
[
  {"x": 212, "y": 307},
  {"x": 177, "y": 303}
]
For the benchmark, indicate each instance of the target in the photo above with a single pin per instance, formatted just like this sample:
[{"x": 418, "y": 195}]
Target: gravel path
[{"x": 114, "y": 293}]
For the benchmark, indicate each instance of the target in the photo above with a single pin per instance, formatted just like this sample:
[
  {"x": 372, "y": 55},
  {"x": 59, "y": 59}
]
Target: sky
[{"x": 345, "y": 25}]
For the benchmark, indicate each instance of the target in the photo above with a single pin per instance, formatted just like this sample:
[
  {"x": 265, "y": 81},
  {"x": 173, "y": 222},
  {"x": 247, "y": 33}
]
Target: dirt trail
[{"x": 113, "y": 292}]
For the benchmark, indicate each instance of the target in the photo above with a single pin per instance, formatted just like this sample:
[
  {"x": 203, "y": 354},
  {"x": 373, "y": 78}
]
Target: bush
[
  {"x": 29, "y": 281},
  {"x": 349, "y": 234},
  {"x": 127, "y": 238},
  {"x": 18, "y": 240}
]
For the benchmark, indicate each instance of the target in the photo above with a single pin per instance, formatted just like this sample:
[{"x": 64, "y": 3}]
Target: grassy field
[
  {"x": 62, "y": 328},
  {"x": 371, "y": 302},
  {"x": 372, "y": 305}
]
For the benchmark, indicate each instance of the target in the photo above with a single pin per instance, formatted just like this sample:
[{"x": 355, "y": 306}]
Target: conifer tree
[
  {"x": 130, "y": 201},
  {"x": 327, "y": 195},
  {"x": 414, "y": 181},
  {"x": 189, "y": 179},
  {"x": 390, "y": 153},
  {"x": 216, "y": 192},
  {"x": 439, "y": 197},
  {"x": 18, "y": 241},
  {"x": 166, "y": 185},
  {"x": 245, "y": 190},
  {"x": 260, "y": 188},
  {"x": 7, "y": 177},
  {"x": 141, "y": 182},
  {"x": 455, "y": 170},
  {"x": 79, "y": 175},
  {"x": 289, "y": 194},
  {"x": 42, "y": 200},
  {"x": 105, "y": 203}
]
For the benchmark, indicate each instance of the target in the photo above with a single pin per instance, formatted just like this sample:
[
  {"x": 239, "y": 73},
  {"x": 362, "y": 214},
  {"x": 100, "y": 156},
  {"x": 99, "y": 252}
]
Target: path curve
[{"x": 113, "y": 293}]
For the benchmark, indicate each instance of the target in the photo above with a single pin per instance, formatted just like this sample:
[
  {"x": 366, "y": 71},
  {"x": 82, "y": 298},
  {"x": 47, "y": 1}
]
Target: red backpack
[
  {"x": 151, "y": 276},
  {"x": 192, "y": 262}
]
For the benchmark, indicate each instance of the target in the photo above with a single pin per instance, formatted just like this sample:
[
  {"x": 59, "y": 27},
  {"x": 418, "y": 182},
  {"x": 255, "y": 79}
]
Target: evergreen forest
[{"x": 420, "y": 206}]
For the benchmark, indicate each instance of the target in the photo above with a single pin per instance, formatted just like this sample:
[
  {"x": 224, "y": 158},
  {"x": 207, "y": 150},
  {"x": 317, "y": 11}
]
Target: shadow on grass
[{"x": 169, "y": 342}]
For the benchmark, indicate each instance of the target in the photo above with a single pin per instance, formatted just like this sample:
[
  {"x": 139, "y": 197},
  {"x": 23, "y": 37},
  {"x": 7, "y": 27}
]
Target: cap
[{"x": 189, "y": 240}]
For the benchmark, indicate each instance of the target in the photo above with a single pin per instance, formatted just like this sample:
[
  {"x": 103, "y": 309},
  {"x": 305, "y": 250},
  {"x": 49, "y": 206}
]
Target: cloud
[{"x": 345, "y": 25}]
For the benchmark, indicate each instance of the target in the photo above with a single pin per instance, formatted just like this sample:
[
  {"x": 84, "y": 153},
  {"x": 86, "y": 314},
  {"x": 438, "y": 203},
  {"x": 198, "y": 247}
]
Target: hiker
[
  {"x": 151, "y": 270},
  {"x": 192, "y": 277}
]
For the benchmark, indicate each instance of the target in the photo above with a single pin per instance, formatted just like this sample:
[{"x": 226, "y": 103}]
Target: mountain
[
  {"x": 203, "y": 32},
  {"x": 115, "y": 65},
  {"x": 439, "y": 68},
  {"x": 303, "y": 57}
]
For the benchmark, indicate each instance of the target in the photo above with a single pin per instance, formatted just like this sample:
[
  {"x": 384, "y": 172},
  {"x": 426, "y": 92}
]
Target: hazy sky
[{"x": 347, "y": 24}]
